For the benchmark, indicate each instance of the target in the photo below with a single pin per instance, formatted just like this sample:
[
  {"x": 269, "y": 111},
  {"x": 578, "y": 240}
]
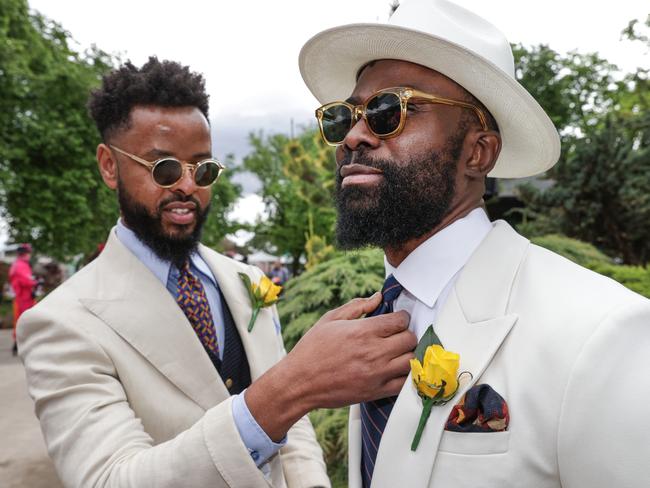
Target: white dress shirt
[{"x": 428, "y": 274}]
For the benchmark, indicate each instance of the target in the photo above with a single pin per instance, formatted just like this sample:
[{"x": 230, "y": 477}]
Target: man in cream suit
[
  {"x": 558, "y": 356},
  {"x": 141, "y": 366}
]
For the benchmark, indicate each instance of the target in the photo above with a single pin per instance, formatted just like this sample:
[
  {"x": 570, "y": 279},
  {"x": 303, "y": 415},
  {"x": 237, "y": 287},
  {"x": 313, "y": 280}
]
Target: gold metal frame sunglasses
[
  {"x": 167, "y": 171},
  {"x": 380, "y": 111}
]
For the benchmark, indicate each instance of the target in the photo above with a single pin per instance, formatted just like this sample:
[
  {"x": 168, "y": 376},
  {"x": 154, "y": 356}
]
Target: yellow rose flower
[
  {"x": 270, "y": 290},
  {"x": 439, "y": 366},
  {"x": 262, "y": 295}
]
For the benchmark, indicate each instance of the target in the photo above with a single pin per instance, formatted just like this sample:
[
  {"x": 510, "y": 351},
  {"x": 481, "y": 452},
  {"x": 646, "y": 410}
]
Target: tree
[
  {"x": 572, "y": 88},
  {"x": 602, "y": 182},
  {"x": 297, "y": 178},
  {"x": 224, "y": 194},
  {"x": 50, "y": 190}
]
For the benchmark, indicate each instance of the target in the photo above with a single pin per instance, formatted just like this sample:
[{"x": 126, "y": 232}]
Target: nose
[
  {"x": 186, "y": 185},
  {"x": 360, "y": 135}
]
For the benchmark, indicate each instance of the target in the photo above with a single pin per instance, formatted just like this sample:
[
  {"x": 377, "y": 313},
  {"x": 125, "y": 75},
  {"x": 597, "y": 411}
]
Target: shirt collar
[
  {"x": 157, "y": 266},
  {"x": 433, "y": 264}
]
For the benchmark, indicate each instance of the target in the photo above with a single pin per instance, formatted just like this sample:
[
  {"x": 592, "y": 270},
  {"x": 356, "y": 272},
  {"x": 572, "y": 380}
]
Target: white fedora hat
[{"x": 449, "y": 39}]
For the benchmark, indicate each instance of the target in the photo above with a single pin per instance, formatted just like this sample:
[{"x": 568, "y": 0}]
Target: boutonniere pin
[
  {"x": 262, "y": 295},
  {"x": 435, "y": 376}
]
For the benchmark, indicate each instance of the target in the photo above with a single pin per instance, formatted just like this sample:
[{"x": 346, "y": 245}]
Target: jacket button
[{"x": 229, "y": 383}]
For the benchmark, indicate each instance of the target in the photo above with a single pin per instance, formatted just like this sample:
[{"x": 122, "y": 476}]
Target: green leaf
[
  {"x": 429, "y": 338},
  {"x": 249, "y": 287}
]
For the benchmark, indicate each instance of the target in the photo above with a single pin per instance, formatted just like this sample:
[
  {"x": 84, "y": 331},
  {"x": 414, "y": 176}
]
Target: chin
[{"x": 175, "y": 231}]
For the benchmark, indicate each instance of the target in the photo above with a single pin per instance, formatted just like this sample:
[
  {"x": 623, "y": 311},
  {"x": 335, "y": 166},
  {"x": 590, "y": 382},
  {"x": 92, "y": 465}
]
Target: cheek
[
  {"x": 339, "y": 155},
  {"x": 204, "y": 196}
]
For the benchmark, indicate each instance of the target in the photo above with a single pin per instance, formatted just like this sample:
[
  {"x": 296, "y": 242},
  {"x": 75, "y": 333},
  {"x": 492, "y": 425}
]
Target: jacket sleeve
[
  {"x": 604, "y": 425},
  {"x": 93, "y": 435}
]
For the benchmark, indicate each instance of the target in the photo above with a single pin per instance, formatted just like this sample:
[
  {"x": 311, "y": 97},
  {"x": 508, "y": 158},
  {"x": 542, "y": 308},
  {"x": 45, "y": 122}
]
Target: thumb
[{"x": 356, "y": 308}]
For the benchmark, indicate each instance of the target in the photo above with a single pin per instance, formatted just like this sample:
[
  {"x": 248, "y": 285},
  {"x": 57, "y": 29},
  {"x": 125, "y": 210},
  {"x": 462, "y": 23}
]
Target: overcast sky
[{"x": 248, "y": 49}]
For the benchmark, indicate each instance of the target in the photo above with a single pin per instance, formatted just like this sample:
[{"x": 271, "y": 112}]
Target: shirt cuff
[{"x": 259, "y": 445}]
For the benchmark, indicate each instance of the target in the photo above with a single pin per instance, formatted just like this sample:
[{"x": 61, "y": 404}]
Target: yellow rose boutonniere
[
  {"x": 262, "y": 295},
  {"x": 435, "y": 375}
]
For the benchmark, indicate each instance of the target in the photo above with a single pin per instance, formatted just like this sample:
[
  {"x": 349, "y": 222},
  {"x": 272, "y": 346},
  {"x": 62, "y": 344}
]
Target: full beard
[
  {"x": 149, "y": 230},
  {"x": 410, "y": 201}
]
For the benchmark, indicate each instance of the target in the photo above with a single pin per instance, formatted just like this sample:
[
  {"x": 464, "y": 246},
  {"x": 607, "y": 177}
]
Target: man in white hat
[{"x": 557, "y": 356}]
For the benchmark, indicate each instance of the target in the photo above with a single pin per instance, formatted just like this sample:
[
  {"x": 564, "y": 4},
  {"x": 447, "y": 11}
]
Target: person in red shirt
[{"x": 23, "y": 284}]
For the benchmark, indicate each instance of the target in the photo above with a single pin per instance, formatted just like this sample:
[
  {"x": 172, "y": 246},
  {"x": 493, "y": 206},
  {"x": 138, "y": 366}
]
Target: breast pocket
[{"x": 474, "y": 443}]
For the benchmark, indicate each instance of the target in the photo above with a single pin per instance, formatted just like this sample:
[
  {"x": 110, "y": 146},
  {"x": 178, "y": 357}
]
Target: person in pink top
[{"x": 23, "y": 284}]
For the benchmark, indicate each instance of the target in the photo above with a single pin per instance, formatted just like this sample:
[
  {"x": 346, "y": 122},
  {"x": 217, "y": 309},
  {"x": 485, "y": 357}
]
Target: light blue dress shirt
[{"x": 260, "y": 446}]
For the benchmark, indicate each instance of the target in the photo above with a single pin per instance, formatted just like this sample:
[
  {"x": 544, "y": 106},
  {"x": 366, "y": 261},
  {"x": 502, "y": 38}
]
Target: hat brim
[{"x": 329, "y": 63}]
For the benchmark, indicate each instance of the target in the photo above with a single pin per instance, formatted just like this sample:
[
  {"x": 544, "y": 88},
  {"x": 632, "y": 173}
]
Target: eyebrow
[{"x": 161, "y": 153}]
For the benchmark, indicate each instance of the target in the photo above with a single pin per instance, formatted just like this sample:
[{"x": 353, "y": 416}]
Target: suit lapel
[
  {"x": 257, "y": 343},
  {"x": 138, "y": 307},
  {"x": 474, "y": 323}
]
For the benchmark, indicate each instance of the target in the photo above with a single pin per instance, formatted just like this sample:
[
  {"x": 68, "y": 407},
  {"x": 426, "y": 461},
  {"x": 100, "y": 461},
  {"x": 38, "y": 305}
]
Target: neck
[{"x": 395, "y": 255}]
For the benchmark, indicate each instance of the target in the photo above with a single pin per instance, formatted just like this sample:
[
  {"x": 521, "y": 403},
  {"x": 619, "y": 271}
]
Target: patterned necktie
[
  {"x": 194, "y": 304},
  {"x": 374, "y": 415}
]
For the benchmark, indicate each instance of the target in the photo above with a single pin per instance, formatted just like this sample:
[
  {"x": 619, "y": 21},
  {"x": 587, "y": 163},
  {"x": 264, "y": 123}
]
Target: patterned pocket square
[{"x": 480, "y": 410}]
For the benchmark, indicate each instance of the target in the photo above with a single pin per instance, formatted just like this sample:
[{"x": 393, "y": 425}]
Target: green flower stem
[
  {"x": 256, "y": 310},
  {"x": 427, "y": 403}
]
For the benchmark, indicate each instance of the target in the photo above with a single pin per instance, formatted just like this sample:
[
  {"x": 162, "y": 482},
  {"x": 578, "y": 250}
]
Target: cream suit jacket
[
  {"x": 568, "y": 350},
  {"x": 126, "y": 395}
]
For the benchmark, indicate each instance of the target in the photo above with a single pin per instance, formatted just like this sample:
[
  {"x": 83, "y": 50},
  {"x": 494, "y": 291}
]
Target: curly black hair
[{"x": 158, "y": 83}]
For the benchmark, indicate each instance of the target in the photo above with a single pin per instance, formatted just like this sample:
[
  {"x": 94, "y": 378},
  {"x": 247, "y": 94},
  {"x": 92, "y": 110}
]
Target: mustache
[
  {"x": 361, "y": 158},
  {"x": 179, "y": 198}
]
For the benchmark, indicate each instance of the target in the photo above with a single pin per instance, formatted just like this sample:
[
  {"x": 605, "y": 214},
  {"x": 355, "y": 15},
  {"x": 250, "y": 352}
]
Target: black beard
[
  {"x": 411, "y": 200},
  {"x": 148, "y": 228}
]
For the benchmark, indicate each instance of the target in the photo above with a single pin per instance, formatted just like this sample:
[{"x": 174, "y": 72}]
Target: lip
[
  {"x": 183, "y": 205},
  {"x": 188, "y": 217},
  {"x": 359, "y": 174}
]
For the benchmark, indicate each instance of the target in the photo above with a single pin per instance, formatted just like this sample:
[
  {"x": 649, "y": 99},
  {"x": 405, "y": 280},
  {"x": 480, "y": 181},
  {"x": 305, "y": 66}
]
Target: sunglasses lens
[
  {"x": 207, "y": 173},
  {"x": 336, "y": 123},
  {"x": 167, "y": 172},
  {"x": 383, "y": 113}
]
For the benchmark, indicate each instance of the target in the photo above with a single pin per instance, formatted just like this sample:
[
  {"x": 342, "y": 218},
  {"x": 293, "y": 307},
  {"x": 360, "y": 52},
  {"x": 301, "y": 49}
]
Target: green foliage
[
  {"x": 50, "y": 190},
  {"x": 601, "y": 190},
  {"x": 331, "y": 428},
  {"x": 572, "y": 88},
  {"x": 636, "y": 278},
  {"x": 327, "y": 286},
  {"x": 297, "y": 178},
  {"x": 573, "y": 249},
  {"x": 224, "y": 195}
]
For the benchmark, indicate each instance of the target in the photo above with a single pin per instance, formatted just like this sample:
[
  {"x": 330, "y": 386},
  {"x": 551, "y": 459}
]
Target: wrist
[{"x": 278, "y": 399}]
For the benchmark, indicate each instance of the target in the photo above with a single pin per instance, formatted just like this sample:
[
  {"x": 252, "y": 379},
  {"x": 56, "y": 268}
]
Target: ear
[
  {"x": 107, "y": 166},
  {"x": 486, "y": 146}
]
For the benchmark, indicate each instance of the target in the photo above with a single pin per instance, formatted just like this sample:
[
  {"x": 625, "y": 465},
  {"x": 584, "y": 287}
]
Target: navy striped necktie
[{"x": 374, "y": 415}]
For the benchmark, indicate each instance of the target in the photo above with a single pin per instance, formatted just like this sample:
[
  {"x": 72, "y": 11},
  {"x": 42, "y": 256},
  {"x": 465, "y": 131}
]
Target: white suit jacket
[
  {"x": 568, "y": 350},
  {"x": 126, "y": 395}
]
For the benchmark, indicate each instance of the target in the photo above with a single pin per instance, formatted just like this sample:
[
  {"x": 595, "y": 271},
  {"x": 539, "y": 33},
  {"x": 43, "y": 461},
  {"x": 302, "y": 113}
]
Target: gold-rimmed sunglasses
[
  {"x": 167, "y": 171},
  {"x": 384, "y": 113}
]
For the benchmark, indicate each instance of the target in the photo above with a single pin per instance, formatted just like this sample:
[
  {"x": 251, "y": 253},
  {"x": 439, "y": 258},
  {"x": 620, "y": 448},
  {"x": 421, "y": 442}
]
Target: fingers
[
  {"x": 389, "y": 324},
  {"x": 355, "y": 308},
  {"x": 399, "y": 344},
  {"x": 392, "y": 387}
]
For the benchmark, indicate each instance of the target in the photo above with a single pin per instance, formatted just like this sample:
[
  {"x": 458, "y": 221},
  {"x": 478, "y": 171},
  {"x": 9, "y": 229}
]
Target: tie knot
[{"x": 391, "y": 289}]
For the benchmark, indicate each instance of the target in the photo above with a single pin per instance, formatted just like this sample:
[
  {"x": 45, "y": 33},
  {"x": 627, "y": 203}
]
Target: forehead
[
  {"x": 166, "y": 120},
  {"x": 172, "y": 129},
  {"x": 387, "y": 73}
]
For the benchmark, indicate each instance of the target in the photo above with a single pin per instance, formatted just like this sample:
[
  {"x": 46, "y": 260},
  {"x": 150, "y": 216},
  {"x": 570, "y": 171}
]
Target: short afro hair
[{"x": 157, "y": 83}]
